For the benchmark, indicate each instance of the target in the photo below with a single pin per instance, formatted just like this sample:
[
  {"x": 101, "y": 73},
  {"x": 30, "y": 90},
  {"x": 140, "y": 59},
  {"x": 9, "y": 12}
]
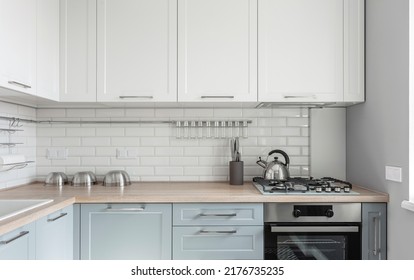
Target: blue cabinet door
[
  {"x": 18, "y": 244},
  {"x": 54, "y": 235},
  {"x": 374, "y": 231},
  {"x": 126, "y": 231}
]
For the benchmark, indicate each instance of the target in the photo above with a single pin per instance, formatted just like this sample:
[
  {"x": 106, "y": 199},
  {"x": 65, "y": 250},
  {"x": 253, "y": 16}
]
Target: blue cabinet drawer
[
  {"x": 218, "y": 214},
  {"x": 218, "y": 243}
]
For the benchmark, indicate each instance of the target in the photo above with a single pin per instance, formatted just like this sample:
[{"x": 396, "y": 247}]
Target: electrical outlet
[{"x": 393, "y": 173}]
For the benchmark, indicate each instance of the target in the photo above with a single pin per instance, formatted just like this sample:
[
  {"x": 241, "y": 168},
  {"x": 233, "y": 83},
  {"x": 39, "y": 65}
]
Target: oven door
[{"x": 312, "y": 241}]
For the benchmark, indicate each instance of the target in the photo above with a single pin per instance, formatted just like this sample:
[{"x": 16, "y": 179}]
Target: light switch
[
  {"x": 393, "y": 173},
  {"x": 122, "y": 153}
]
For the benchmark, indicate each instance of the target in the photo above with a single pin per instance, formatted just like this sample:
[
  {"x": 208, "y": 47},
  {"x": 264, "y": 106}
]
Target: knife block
[{"x": 236, "y": 172}]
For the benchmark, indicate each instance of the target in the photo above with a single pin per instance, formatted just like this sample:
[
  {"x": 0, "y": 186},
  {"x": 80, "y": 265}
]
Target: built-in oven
[{"x": 312, "y": 231}]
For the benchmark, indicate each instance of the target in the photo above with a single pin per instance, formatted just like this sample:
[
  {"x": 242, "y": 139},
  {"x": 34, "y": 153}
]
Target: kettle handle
[{"x": 287, "y": 160}]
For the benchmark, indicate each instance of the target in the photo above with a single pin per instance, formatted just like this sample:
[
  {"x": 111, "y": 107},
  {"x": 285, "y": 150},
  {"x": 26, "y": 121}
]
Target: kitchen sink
[{"x": 12, "y": 207}]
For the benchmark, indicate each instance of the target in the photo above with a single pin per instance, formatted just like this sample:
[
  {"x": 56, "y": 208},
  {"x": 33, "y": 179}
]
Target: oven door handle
[{"x": 315, "y": 229}]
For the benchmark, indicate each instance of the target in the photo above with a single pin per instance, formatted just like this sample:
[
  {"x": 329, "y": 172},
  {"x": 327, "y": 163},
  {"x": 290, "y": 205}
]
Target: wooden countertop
[{"x": 159, "y": 192}]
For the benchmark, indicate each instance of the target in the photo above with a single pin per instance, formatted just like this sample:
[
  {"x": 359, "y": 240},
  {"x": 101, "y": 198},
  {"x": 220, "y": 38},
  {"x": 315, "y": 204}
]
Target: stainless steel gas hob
[{"x": 303, "y": 186}]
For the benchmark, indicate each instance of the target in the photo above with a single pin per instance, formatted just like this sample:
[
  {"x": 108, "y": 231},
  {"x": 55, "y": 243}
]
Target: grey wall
[{"x": 377, "y": 131}]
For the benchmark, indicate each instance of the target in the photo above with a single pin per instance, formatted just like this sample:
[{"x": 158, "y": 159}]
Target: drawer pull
[
  {"x": 217, "y": 96},
  {"x": 218, "y": 215},
  {"x": 21, "y": 234},
  {"x": 19, "y": 84},
  {"x": 139, "y": 209},
  {"x": 136, "y": 96},
  {"x": 218, "y": 231},
  {"x": 57, "y": 218}
]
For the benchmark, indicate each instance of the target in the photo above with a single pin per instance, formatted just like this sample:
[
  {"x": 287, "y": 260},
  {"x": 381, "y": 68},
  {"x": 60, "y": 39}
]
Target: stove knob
[
  {"x": 296, "y": 213},
  {"x": 329, "y": 213}
]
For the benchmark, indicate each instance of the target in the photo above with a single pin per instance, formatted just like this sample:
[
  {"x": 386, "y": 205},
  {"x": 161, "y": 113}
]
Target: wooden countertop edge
[{"x": 254, "y": 196}]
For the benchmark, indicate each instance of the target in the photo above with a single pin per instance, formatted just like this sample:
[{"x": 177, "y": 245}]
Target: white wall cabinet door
[
  {"x": 137, "y": 50},
  {"x": 354, "y": 55},
  {"x": 78, "y": 50},
  {"x": 300, "y": 50},
  {"x": 47, "y": 49},
  {"x": 18, "y": 45},
  {"x": 217, "y": 50}
]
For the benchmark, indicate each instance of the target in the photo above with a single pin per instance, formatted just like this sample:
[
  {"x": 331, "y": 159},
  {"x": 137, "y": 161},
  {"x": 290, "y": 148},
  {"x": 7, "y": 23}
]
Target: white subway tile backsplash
[
  {"x": 158, "y": 154},
  {"x": 139, "y": 131},
  {"x": 140, "y": 112},
  {"x": 51, "y": 131},
  {"x": 51, "y": 113},
  {"x": 95, "y": 161},
  {"x": 155, "y": 141},
  {"x": 271, "y": 141},
  {"x": 96, "y": 141},
  {"x": 298, "y": 122},
  {"x": 80, "y": 113},
  {"x": 169, "y": 151},
  {"x": 191, "y": 171},
  {"x": 298, "y": 141},
  {"x": 110, "y": 131},
  {"x": 155, "y": 161},
  {"x": 66, "y": 141},
  {"x": 80, "y": 131},
  {"x": 271, "y": 122},
  {"x": 109, "y": 113},
  {"x": 283, "y": 112},
  {"x": 183, "y": 161},
  {"x": 168, "y": 171}
]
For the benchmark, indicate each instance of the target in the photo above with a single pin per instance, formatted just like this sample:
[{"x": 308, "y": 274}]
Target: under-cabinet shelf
[{"x": 16, "y": 165}]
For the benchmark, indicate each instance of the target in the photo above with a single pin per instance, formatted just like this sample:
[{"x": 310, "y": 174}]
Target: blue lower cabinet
[
  {"x": 126, "y": 231},
  {"x": 218, "y": 242},
  {"x": 18, "y": 244},
  {"x": 54, "y": 236}
]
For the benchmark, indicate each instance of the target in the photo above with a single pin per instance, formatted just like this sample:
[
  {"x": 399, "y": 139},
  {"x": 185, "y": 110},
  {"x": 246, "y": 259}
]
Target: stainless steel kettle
[{"x": 275, "y": 170}]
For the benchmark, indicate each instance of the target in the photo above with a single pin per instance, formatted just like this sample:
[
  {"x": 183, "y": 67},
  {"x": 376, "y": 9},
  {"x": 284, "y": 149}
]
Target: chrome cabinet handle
[
  {"x": 21, "y": 234},
  {"x": 314, "y": 229},
  {"x": 217, "y": 96},
  {"x": 218, "y": 231},
  {"x": 136, "y": 96},
  {"x": 218, "y": 215},
  {"x": 57, "y": 218},
  {"x": 298, "y": 96},
  {"x": 377, "y": 237},
  {"x": 19, "y": 84},
  {"x": 139, "y": 209}
]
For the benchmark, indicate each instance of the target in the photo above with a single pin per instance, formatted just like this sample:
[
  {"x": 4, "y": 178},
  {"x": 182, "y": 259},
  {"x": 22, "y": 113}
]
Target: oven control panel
[{"x": 313, "y": 211}]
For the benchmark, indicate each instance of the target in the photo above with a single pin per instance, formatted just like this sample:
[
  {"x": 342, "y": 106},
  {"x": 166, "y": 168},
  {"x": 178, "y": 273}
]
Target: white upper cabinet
[
  {"x": 354, "y": 67},
  {"x": 18, "y": 45},
  {"x": 301, "y": 50},
  {"x": 217, "y": 50},
  {"x": 78, "y": 50},
  {"x": 47, "y": 49},
  {"x": 137, "y": 50}
]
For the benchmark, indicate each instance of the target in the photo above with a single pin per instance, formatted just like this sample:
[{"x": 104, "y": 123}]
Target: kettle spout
[{"x": 261, "y": 163}]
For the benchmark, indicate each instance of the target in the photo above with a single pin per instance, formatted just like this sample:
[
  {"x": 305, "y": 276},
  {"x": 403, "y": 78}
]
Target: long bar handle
[
  {"x": 136, "y": 96},
  {"x": 217, "y": 96},
  {"x": 21, "y": 234},
  {"x": 299, "y": 96},
  {"x": 139, "y": 209},
  {"x": 218, "y": 215},
  {"x": 314, "y": 229},
  {"x": 19, "y": 84},
  {"x": 57, "y": 218},
  {"x": 376, "y": 249},
  {"x": 218, "y": 231}
]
